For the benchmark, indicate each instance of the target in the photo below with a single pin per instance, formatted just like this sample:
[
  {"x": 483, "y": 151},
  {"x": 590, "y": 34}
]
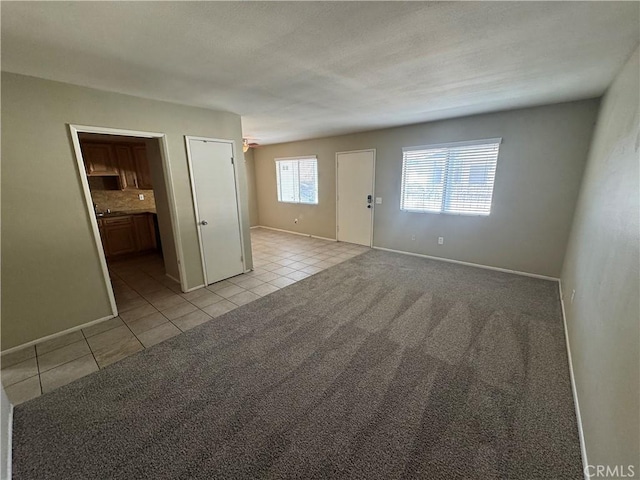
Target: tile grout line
[
  {"x": 35, "y": 349},
  {"x": 134, "y": 335},
  {"x": 159, "y": 311},
  {"x": 91, "y": 349},
  {"x": 72, "y": 360},
  {"x": 132, "y": 287},
  {"x": 148, "y": 302}
]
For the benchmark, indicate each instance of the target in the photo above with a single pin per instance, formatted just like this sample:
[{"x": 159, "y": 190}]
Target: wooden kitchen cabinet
[
  {"x": 126, "y": 234},
  {"x": 99, "y": 159},
  {"x": 127, "y": 161},
  {"x": 126, "y": 167},
  {"x": 145, "y": 232},
  {"x": 119, "y": 235},
  {"x": 143, "y": 171}
]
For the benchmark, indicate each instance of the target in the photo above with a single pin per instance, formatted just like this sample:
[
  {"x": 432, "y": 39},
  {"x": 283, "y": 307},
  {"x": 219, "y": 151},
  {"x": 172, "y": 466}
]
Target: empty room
[{"x": 373, "y": 240}]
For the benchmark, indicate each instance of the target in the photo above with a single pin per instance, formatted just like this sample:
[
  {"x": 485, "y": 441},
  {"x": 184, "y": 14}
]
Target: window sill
[{"x": 454, "y": 214}]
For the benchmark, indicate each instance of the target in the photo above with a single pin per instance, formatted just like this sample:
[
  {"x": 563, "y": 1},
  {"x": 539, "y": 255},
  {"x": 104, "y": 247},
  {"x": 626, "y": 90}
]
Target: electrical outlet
[
  {"x": 413, "y": 237},
  {"x": 573, "y": 294},
  {"x": 141, "y": 197},
  {"x": 440, "y": 240}
]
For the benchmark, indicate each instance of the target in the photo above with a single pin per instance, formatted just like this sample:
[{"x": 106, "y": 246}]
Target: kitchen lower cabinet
[
  {"x": 145, "y": 232},
  {"x": 120, "y": 236},
  {"x": 127, "y": 234}
]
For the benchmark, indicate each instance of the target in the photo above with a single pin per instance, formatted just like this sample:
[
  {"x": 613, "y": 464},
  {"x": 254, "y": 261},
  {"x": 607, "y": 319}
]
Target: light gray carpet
[{"x": 383, "y": 367}]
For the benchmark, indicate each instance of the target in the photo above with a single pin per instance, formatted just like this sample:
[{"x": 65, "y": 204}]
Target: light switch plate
[
  {"x": 141, "y": 197},
  {"x": 378, "y": 200}
]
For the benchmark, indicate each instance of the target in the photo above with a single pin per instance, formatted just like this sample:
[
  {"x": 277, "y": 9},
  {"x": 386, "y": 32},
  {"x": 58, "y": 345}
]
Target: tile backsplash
[{"x": 118, "y": 200}]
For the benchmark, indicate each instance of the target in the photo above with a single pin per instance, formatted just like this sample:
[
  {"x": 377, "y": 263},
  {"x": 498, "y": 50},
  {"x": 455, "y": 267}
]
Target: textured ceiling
[{"x": 309, "y": 69}]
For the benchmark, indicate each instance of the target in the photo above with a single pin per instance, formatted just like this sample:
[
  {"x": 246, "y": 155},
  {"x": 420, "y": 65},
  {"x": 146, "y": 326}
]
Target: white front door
[
  {"x": 355, "y": 172},
  {"x": 214, "y": 188}
]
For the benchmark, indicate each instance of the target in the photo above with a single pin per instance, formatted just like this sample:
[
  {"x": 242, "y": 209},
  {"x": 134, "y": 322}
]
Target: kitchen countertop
[{"x": 121, "y": 213}]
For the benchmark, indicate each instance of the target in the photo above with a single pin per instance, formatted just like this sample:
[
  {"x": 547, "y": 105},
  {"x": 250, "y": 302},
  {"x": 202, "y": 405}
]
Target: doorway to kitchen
[{"x": 128, "y": 193}]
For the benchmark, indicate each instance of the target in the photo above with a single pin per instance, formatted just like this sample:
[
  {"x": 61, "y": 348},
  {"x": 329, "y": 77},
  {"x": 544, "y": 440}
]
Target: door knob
[{"x": 204, "y": 222}]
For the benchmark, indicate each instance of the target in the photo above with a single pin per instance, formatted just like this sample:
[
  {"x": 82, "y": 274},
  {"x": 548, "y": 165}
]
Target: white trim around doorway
[{"x": 75, "y": 130}]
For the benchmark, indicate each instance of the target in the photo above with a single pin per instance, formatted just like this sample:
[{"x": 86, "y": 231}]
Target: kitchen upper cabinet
[
  {"x": 99, "y": 159},
  {"x": 127, "y": 161},
  {"x": 126, "y": 167},
  {"x": 143, "y": 171}
]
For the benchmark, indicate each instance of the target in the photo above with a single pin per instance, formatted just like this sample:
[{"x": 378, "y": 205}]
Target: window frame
[
  {"x": 278, "y": 183},
  {"x": 447, "y": 179}
]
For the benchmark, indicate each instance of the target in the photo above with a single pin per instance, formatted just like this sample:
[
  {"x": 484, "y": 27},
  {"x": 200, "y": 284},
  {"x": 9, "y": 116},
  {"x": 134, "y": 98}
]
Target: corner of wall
[
  {"x": 5, "y": 434},
  {"x": 574, "y": 390},
  {"x": 601, "y": 270}
]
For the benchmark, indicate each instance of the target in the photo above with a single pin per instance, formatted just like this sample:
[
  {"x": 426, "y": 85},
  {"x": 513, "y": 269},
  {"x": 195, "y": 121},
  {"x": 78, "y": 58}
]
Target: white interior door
[
  {"x": 214, "y": 188},
  {"x": 355, "y": 172}
]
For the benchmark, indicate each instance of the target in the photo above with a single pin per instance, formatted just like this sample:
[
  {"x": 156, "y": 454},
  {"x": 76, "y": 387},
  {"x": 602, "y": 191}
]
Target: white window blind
[
  {"x": 454, "y": 178},
  {"x": 297, "y": 180}
]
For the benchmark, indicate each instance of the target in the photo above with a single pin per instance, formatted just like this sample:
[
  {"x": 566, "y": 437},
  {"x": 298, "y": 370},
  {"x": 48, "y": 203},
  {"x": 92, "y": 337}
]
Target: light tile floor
[{"x": 152, "y": 309}]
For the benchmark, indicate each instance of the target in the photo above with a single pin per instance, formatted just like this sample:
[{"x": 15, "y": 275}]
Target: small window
[
  {"x": 455, "y": 178},
  {"x": 297, "y": 180}
]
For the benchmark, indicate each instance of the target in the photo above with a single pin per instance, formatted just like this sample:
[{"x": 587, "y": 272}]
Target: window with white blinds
[
  {"x": 455, "y": 178},
  {"x": 297, "y": 180}
]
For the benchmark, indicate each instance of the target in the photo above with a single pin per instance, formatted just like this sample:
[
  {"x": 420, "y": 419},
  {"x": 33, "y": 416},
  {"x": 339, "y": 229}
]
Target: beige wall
[
  {"x": 163, "y": 209},
  {"x": 540, "y": 165},
  {"x": 251, "y": 187},
  {"x": 51, "y": 276},
  {"x": 602, "y": 266}
]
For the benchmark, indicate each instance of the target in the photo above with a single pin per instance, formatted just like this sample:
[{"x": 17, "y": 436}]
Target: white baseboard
[
  {"x": 198, "y": 287},
  {"x": 59, "y": 334},
  {"x": 173, "y": 278},
  {"x": 296, "y": 233},
  {"x": 583, "y": 448},
  {"x": 469, "y": 264}
]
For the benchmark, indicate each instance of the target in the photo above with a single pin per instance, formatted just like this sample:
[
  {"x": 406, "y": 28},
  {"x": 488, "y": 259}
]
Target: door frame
[
  {"x": 195, "y": 200},
  {"x": 75, "y": 130},
  {"x": 373, "y": 191}
]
